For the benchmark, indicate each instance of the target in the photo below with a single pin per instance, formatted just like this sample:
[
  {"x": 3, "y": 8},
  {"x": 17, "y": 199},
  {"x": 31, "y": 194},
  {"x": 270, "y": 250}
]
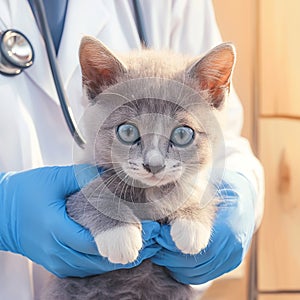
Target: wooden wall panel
[
  {"x": 237, "y": 23},
  {"x": 279, "y": 237},
  {"x": 279, "y": 59},
  {"x": 280, "y": 297}
]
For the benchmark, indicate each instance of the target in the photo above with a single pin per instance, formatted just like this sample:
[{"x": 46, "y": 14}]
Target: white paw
[
  {"x": 190, "y": 237},
  {"x": 120, "y": 244}
]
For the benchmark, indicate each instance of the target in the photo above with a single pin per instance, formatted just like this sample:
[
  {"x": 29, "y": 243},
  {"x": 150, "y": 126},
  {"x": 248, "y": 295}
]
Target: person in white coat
[{"x": 33, "y": 134}]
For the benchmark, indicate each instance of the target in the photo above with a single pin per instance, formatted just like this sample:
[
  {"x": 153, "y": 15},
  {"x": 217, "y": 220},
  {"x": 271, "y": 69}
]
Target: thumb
[
  {"x": 70, "y": 179},
  {"x": 150, "y": 230},
  {"x": 165, "y": 239}
]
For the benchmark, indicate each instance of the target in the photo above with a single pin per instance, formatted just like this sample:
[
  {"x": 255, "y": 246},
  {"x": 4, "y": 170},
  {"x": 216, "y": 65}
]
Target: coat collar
[
  {"x": 22, "y": 19},
  {"x": 82, "y": 18},
  {"x": 87, "y": 17}
]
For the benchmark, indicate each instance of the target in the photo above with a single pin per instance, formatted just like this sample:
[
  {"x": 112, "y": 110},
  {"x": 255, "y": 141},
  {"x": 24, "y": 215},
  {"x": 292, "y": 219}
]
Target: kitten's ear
[
  {"x": 213, "y": 72},
  {"x": 100, "y": 68}
]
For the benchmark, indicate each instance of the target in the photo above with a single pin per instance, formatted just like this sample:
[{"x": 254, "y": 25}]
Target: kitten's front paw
[
  {"x": 120, "y": 244},
  {"x": 190, "y": 237}
]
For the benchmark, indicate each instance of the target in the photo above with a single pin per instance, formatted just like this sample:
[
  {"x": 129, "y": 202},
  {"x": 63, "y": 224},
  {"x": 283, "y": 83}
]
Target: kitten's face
[
  {"x": 153, "y": 142},
  {"x": 162, "y": 131}
]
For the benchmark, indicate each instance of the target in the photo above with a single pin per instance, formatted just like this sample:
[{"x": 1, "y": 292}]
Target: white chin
[{"x": 155, "y": 181}]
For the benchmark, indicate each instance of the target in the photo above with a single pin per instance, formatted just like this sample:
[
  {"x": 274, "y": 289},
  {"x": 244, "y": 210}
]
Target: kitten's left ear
[
  {"x": 213, "y": 72},
  {"x": 100, "y": 67}
]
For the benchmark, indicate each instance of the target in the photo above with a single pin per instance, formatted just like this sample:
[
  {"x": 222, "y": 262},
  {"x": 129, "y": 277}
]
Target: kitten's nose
[{"x": 153, "y": 169}]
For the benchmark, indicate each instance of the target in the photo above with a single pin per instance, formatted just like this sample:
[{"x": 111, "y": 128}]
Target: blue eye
[
  {"x": 128, "y": 133},
  {"x": 182, "y": 136}
]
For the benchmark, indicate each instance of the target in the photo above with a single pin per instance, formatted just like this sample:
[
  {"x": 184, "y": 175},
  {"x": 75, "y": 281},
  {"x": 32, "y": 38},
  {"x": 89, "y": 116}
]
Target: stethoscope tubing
[
  {"x": 63, "y": 99},
  {"x": 139, "y": 23}
]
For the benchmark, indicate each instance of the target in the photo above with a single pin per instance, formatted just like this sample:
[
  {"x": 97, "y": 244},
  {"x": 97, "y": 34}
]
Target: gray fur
[
  {"x": 156, "y": 92},
  {"x": 147, "y": 282}
]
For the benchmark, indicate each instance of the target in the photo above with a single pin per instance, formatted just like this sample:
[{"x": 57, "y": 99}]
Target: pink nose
[{"x": 153, "y": 169}]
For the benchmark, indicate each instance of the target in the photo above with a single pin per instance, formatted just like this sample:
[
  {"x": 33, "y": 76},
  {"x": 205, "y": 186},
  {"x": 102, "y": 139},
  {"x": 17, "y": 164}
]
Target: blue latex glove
[
  {"x": 232, "y": 234},
  {"x": 34, "y": 223}
]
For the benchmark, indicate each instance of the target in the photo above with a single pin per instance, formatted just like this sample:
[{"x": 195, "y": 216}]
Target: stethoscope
[{"x": 17, "y": 54}]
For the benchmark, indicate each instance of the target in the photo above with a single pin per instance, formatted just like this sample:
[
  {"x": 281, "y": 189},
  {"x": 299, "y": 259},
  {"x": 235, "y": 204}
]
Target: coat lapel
[
  {"x": 22, "y": 19},
  {"x": 83, "y": 18},
  {"x": 87, "y": 17}
]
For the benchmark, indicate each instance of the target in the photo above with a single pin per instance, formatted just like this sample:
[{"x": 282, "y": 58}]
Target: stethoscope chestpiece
[{"x": 16, "y": 52}]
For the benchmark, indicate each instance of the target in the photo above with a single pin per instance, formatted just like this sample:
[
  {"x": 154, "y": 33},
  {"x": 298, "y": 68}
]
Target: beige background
[
  {"x": 267, "y": 79},
  {"x": 237, "y": 23}
]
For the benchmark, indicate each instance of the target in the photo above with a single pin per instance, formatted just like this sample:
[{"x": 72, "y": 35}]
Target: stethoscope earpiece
[{"x": 16, "y": 52}]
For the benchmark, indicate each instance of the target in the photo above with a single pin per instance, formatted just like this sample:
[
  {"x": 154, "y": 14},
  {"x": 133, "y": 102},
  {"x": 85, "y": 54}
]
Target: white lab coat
[{"x": 33, "y": 132}]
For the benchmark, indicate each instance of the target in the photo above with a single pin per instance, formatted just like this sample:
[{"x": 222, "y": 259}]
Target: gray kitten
[{"x": 152, "y": 124}]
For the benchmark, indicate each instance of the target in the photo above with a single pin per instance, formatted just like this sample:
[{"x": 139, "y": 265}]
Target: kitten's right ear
[
  {"x": 213, "y": 72},
  {"x": 100, "y": 68}
]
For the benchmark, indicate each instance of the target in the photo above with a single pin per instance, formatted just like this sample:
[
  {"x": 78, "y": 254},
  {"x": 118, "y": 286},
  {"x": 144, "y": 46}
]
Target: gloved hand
[
  {"x": 34, "y": 223},
  {"x": 232, "y": 233}
]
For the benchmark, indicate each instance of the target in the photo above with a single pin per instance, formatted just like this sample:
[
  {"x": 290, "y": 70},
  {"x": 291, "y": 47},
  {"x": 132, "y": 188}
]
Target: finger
[
  {"x": 206, "y": 265},
  {"x": 165, "y": 240},
  {"x": 85, "y": 173},
  {"x": 210, "y": 269},
  {"x": 172, "y": 259},
  {"x": 228, "y": 263},
  {"x": 150, "y": 230},
  {"x": 80, "y": 239},
  {"x": 211, "y": 274},
  {"x": 72, "y": 263},
  {"x": 70, "y": 179},
  {"x": 190, "y": 270},
  {"x": 184, "y": 276},
  {"x": 75, "y": 236},
  {"x": 144, "y": 254},
  {"x": 98, "y": 264}
]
